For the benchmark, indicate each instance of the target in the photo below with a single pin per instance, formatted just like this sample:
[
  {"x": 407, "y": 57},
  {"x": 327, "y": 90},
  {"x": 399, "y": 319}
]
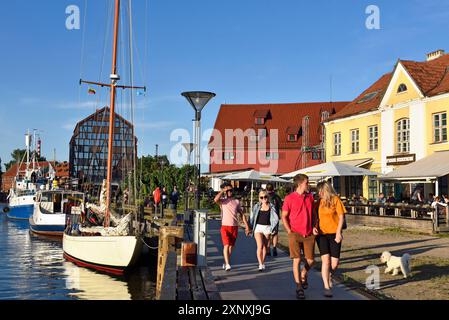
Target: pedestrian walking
[
  {"x": 329, "y": 232},
  {"x": 164, "y": 197},
  {"x": 263, "y": 221},
  {"x": 157, "y": 198},
  {"x": 275, "y": 200},
  {"x": 297, "y": 217},
  {"x": 174, "y": 198},
  {"x": 230, "y": 212}
]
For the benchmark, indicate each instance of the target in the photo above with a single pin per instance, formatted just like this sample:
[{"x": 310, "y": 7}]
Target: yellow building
[{"x": 400, "y": 119}]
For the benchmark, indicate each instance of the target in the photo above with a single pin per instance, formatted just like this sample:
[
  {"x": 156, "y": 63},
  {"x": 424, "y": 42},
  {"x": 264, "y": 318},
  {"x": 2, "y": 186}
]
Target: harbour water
[{"x": 33, "y": 268}]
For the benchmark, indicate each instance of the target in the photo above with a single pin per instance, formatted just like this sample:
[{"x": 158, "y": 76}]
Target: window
[
  {"x": 368, "y": 97},
  {"x": 440, "y": 127},
  {"x": 292, "y": 137},
  {"x": 272, "y": 156},
  {"x": 337, "y": 144},
  {"x": 260, "y": 120},
  {"x": 228, "y": 156},
  {"x": 402, "y": 88},
  {"x": 372, "y": 188},
  {"x": 403, "y": 135},
  {"x": 355, "y": 143},
  {"x": 254, "y": 138},
  {"x": 373, "y": 136}
]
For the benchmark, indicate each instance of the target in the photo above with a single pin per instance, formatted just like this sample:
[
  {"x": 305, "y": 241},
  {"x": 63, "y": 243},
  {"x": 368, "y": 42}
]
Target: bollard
[{"x": 200, "y": 237}]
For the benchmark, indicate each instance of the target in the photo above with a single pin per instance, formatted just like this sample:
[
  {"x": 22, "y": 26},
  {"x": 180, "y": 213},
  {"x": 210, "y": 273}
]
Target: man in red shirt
[
  {"x": 298, "y": 219},
  {"x": 157, "y": 198}
]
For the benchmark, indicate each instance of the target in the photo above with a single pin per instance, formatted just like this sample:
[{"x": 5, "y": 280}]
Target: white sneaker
[
  {"x": 228, "y": 267},
  {"x": 261, "y": 267},
  {"x": 224, "y": 266}
]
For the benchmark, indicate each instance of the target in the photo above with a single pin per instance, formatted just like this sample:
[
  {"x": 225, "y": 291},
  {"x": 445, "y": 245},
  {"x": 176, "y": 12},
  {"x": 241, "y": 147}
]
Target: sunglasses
[{"x": 263, "y": 197}]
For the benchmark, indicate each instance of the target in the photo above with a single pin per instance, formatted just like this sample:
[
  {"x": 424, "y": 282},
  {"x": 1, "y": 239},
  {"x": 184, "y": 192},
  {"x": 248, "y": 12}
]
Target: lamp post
[
  {"x": 189, "y": 147},
  {"x": 198, "y": 100}
]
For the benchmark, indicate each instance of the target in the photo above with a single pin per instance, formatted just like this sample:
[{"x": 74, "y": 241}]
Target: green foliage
[
  {"x": 17, "y": 156},
  {"x": 153, "y": 172}
]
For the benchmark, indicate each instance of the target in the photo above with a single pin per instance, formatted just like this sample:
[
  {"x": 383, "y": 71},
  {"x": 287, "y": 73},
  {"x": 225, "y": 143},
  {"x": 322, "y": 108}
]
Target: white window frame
[
  {"x": 228, "y": 155},
  {"x": 373, "y": 138},
  {"x": 355, "y": 141},
  {"x": 403, "y": 135},
  {"x": 438, "y": 130},
  {"x": 337, "y": 143}
]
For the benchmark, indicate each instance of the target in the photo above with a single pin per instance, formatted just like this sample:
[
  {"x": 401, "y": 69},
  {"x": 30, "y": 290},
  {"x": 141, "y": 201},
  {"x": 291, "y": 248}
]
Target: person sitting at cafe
[
  {"x": 391, "y": 198},
  {"x": 381, "y": 199},
  {"x": 439, "y": 205},
  {"x": 431, "y": 198}
]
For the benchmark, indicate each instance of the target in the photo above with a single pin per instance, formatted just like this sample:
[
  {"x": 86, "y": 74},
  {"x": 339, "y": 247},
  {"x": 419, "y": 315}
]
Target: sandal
[{"x": 300, "y": 294}]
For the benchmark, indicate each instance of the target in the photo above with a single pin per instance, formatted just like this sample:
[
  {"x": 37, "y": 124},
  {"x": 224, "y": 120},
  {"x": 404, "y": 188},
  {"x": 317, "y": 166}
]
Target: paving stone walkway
[{"x": 245, "y": 282}]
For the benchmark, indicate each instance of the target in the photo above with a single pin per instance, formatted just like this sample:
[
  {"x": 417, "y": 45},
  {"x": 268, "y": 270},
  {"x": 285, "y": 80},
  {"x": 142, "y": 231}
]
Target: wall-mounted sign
[{"x": 401, "y": 159}]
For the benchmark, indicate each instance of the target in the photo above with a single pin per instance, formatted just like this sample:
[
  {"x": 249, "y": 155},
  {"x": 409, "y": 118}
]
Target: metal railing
[{"x": 439, "y": 217}]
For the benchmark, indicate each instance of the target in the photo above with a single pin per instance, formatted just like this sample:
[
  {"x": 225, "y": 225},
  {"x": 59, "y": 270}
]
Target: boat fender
[{"x": 5, "y": 209}]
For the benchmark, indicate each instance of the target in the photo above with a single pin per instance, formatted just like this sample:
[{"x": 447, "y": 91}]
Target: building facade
[
  {"x": 400, "y": 119},
  {"x": 89, "y": 148},
  {"x": 271, "y": 138}
]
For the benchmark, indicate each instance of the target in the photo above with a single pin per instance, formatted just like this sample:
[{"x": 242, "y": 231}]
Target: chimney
[{"x": 435, "y": 55}]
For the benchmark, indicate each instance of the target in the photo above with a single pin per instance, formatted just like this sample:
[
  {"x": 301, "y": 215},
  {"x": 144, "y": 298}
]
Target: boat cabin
[{"x": 59, "y": 201}]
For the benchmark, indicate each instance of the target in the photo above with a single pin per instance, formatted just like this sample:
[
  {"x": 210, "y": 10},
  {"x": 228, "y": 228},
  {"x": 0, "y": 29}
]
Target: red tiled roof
[
  {"x": 261, "y": 113},
  {"x": 427, "y": 75},
  {"x": 357, "y": 106},
  {"x": 432, "y": 78},
  {"x": 283, "y": 116}
]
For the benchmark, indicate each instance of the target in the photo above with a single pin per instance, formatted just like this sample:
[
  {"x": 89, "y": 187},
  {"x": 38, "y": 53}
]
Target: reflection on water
[{"x": 33, "y": 267}]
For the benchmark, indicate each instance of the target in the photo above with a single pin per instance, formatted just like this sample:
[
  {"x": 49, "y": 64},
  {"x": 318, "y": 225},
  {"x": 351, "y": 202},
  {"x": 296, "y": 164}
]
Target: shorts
[
  {"x": 229, "y": 235},
  {"x": 327, "y": 245},
  {"x": 297, "y": 242},
  {"x": 266, "y": 230}
]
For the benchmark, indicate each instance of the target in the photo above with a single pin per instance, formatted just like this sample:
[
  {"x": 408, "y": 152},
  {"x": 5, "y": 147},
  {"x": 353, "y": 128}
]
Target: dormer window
[
  {"x": 402, "y": 88},
  {"x": 261, "y": 116},
  {"x": 260, "y": 120},
  {"x": 293, "y": 134}
]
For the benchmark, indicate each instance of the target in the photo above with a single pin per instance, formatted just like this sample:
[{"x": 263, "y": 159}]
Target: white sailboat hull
[{"x": 112, "y": 254}]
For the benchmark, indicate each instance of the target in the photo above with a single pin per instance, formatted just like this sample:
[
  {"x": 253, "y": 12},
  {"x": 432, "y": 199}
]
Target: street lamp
[
  {"x": 198, "y": 100},
  {"x": 189, "y": 147}
]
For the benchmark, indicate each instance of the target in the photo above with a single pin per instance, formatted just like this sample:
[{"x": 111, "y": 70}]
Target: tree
[{"x": 18, "y": 155}]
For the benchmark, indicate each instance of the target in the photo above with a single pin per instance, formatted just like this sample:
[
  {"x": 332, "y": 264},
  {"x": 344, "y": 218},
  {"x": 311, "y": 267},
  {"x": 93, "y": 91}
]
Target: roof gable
[{"x": 401, "y": 77}]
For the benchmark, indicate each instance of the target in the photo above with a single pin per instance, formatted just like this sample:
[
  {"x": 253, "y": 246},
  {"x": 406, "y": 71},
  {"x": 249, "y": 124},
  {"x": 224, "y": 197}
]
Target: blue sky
[{"x": 246, "y": 51}]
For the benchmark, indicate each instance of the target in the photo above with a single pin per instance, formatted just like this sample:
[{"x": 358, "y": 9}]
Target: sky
[{"x": 245, "y": 51}]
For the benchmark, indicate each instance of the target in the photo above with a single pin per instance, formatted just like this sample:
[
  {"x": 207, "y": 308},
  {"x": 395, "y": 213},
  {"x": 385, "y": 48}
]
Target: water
[{"x": 33, "y": 268}]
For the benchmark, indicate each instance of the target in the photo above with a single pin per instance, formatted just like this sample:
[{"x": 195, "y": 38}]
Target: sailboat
[
  {"x": 26, "y": 184},
  {"x": 115, "y": 245}
]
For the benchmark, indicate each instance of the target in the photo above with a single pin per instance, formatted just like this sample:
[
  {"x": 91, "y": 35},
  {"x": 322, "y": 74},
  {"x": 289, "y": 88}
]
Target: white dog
[{"x": 396, "y": 263}]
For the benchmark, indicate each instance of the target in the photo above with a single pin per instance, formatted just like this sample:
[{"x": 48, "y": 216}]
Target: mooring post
[
  {"x": 167, "y": 243},
  {"x": 200, "y": 237}
]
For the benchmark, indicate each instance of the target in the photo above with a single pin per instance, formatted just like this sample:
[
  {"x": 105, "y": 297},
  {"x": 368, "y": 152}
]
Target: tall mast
[
  {"x": 114, "y": 79},
  {"x": 27, "y": 143}
]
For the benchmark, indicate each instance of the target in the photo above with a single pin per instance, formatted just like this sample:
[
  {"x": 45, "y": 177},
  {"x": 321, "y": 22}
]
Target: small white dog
[{"x": 396, "y": 263}]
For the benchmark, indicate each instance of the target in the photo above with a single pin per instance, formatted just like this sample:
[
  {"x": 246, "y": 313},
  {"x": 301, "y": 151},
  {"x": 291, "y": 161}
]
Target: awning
[
  {"x": 359, "y": 162},
  {"x": 431, "y": 167},
  {"x": 332, "y": 169}
]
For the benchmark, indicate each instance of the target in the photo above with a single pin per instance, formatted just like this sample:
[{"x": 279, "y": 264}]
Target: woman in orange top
[{"x": 331, "y": 217}]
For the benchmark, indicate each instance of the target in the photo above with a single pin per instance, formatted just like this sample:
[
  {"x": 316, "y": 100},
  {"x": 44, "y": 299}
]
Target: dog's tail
[{"x": 405, "y": 262}]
